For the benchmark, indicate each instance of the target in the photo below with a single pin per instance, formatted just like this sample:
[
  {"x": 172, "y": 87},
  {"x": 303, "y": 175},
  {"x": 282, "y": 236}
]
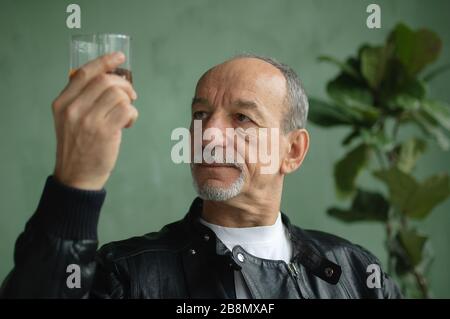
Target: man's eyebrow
[
  {"x": 199, "y": 100},
  {"x": 246, "y": 104},
  {"x": 240, "y": 103}
]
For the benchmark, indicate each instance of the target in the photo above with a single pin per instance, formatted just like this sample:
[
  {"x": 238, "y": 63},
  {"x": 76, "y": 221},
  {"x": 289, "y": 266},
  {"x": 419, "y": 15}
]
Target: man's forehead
[{"x": 245, "y": 75}]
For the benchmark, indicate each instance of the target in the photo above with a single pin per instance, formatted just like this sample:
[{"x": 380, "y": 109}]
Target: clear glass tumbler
[{"x": 87, "y": 47}]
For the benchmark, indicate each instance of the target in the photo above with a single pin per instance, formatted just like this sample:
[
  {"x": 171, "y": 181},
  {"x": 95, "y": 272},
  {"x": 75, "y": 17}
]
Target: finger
[
  {"x": 97, "y": 87},
  {"x": 86, "y": 73},
  {"x": 107, "y": 101},
  {"x": 133, "y": 119},
  {"x": 121, "y": 116}
]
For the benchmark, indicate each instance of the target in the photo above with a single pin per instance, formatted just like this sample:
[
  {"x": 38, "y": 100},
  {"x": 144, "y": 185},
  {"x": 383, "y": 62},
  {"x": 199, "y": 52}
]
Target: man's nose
[{"x": 214, "y": 130}]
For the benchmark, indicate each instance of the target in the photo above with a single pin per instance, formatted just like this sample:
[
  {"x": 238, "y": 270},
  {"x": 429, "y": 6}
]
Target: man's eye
[
  {"x": 199, "y": 115},
  {"x": 242, "y": 118}
]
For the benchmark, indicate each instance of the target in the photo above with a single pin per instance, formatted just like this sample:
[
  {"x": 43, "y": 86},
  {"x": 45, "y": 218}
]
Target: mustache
[
  {"x": 216, "y": 158},
  {"x": 237, "y": 165}
]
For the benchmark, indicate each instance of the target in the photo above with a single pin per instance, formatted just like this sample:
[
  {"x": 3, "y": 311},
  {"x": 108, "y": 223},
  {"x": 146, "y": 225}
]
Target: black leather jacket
[{"x": 182, "y": 260}]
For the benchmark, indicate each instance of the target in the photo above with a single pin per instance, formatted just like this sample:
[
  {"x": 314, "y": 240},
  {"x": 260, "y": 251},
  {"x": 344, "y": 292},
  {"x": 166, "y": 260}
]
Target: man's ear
[{"x": 298, "y": 144}]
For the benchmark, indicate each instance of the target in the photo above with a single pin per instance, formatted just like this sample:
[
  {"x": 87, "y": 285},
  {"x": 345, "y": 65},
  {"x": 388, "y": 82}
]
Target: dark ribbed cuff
[{"x": 68, "y": 212}]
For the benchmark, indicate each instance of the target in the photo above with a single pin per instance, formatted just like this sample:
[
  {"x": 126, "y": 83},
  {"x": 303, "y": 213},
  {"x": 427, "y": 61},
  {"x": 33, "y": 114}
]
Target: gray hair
[{"x": 296, "y": 99}]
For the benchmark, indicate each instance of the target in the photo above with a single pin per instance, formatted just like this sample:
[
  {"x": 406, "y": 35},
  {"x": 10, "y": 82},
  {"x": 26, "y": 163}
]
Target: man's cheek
[
  {"x": 269, "y": 150},
  {"x": 246, "y": 145}
]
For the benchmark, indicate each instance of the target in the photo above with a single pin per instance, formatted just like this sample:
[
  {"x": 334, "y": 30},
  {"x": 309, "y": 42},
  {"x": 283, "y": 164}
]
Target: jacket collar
[{"x": 305, "y": 252}]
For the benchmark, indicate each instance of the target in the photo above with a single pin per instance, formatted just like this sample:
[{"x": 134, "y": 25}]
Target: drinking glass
[{"x": 87, "y": 47}]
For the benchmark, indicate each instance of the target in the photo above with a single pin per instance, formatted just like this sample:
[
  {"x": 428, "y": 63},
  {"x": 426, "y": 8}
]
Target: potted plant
[{"x": 377, "y": 93}]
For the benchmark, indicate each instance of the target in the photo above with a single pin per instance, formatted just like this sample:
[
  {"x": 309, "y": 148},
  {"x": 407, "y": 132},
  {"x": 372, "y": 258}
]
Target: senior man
[{"x": 233, "y": 243}]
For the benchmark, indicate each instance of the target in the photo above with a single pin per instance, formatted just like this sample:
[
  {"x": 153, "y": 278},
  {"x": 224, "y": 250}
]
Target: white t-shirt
[{"x": 268, "y": 242}]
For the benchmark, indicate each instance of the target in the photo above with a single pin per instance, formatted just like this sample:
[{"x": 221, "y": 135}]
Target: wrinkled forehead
[{"x": 244, "y": 76}]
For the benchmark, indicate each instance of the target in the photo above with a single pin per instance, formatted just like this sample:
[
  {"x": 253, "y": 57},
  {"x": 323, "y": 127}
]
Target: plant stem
[
  {"x": 422, "y": 283},
  {"x": 388, "y": 244},
  {"x": 391, "y": 160}
]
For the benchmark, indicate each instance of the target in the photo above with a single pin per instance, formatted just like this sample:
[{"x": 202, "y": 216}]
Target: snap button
[
  {"x": 240, "y": 257},
  {"x": 329, "y": 272},
  {"x": 192, "y": 251},
  {"x": 206, "y": 237}
]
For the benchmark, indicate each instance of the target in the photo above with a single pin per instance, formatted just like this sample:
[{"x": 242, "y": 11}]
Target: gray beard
[{"x": 218, "y": 194}]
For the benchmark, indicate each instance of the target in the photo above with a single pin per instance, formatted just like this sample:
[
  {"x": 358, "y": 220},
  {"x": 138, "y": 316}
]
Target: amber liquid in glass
[{"x": 124, "y": 73}]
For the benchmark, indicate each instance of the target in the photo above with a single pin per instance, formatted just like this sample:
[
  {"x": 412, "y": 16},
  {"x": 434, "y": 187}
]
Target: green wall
[{"x": 174, "y": 42}]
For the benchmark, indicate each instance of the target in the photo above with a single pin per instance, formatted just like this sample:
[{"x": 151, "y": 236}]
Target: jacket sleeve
[
  {"x": 389, "y": 288},
  {"x": 55, "y": 257}
]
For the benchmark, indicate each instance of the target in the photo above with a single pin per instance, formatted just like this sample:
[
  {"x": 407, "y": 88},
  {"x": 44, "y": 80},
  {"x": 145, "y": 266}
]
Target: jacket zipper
[
  {"x": 295, "y": 276},
  {"x": 293, "y": 270}
]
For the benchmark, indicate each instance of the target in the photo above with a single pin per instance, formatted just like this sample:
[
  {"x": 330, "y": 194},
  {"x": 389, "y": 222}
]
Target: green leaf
[
  {"x": 378, "y": 139},
  {"x": 327, "y": 115},
  {"x": 347, "y": 92},
  {"x": 345, "y": 67},
  {"x": 431, "y": 127},
  {"x": 347, "y": 169},
  {"x": 439, "y": 70},
  {"x": 411, "y": 198},
  {"x": 439, "y": 112},
  {"x": 354, "y": 98},
  {"x": 415, "y": 49},
  {"x": 427, "y": 195},
  {"x": 413, "y": 244},
  {"x": 374, "y": 64},
  {"x": 400, "y": 184},
  {"x": 408, "y": 96},
  {"x": 409, "y": 153},
  {"x": 366, "y": 206},
  {"x": 414, "y": 87},
  {"x": 396, "y": 81},
  {"x": 351, "y": 136},
  {"x": 404, "y": 102}
]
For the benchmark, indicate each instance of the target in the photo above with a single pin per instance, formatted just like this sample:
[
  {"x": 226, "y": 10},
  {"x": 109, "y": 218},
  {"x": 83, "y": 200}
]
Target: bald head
[
  {"x": 268, "y": 76},
  {"x": 247, "y": 71}
]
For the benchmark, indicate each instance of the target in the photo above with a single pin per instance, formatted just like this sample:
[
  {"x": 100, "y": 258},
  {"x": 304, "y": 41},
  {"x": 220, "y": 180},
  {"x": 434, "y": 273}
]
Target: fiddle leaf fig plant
[{"x": 378, "y": 92}]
